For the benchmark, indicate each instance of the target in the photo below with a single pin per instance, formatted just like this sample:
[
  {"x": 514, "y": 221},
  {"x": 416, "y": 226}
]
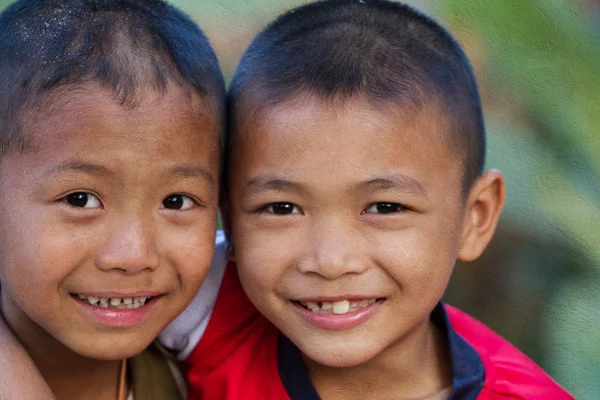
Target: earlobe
[{"x": 484, "y": 206}]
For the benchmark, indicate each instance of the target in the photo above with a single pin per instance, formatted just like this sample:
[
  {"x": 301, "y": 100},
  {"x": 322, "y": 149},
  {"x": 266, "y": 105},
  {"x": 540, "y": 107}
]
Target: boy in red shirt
[{"x": 355, "y": 181}]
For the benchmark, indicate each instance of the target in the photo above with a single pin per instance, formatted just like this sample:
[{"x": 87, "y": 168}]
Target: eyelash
[
  {"x": 392, "y": 208},
  {"x": 396, "y": 208},
  {"x": 271, "y": 207},
  {"x": 75, "y": 196},
  {"x": 71, "y": 198},
  {"x": 179, "y": 195}
]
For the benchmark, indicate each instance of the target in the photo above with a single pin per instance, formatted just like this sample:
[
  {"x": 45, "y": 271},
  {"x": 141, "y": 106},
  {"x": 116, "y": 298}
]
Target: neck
[
  {"x": 415, "y": 367},
  {"x": 68, "y": 374},
  {"x": 71, "y": 376}
]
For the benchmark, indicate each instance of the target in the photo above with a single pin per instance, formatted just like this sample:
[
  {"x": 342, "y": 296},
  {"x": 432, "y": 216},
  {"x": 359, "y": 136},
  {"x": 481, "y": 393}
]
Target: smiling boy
[
  {"x": 110, "y": 127},
  {"x": 355, "y": 180}
]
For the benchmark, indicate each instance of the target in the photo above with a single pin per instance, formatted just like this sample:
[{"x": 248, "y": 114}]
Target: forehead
[
  {"x": 71, "y": 113},
  {"x": 152, "y": 106},
  {"x": 355, "y": 135},
  {"x": 88, "y": 122}
]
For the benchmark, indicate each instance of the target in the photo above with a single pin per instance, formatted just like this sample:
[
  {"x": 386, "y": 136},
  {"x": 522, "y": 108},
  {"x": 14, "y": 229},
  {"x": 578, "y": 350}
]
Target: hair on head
[
  {"x": 385, "y": 51},
  {"x": 125, "y": 45}
]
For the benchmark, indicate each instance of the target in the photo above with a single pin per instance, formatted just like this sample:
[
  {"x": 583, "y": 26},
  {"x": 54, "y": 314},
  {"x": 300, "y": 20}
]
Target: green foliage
[{"x": 544, "y": 57}]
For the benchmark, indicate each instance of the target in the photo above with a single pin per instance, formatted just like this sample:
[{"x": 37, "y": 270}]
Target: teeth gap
[{"x": 339, "y": 307}]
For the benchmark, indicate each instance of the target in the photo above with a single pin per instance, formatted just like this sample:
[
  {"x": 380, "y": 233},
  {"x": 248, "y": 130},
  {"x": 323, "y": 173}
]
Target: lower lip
[
  {"x": 115, "y": 317},
  {"x": 337, "y": 322}
]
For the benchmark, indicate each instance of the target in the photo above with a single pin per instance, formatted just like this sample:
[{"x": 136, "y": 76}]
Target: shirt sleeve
[{"x": 184, "y": 332}]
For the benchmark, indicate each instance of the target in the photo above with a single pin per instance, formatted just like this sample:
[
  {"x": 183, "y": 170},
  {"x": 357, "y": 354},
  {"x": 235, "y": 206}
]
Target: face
[
  {"x": 347, "y": 222},
  {"x": 108, "y": 219}
]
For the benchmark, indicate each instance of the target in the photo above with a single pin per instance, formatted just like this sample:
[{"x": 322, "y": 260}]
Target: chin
[
  {"x": 341, "y": 356},
  {"x": 112, "y": 349}
]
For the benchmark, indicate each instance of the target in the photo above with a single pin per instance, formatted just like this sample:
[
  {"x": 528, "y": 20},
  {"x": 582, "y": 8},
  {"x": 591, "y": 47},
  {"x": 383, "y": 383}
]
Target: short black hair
[
  {"x": 385, "y": 51},
  {"x": 124, "y": 45}
]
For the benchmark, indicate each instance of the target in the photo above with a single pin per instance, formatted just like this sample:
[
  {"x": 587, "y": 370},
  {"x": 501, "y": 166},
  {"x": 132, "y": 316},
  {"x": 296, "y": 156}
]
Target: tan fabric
[
  {"x": 154, "y": 375},
  {"x": 443, "y": 394}
]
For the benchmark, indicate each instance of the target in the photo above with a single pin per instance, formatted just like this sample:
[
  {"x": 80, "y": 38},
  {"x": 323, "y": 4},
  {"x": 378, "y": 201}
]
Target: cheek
[
  {"x": 36, "y": 264},
  {"x": 37, "y": 253},
  {"x": 261, "y": 259},
  {"x": 419, "y": 260},
  {"x": 190, "y": 252}
]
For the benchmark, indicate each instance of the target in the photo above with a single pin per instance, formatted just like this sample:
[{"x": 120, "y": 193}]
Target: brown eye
[
  {"x": 83, "y": 200},
  {"x": 384, "y": 208},
  {"x": 282, "y": 209},
  {"x": 178, "y": 202}
]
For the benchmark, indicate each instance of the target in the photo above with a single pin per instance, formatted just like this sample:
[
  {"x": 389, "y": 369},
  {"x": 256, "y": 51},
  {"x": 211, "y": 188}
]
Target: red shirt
[{"x": 242, "y": 356}]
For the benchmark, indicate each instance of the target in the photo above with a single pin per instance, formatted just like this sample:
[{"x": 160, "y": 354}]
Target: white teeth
[
  {"x": 118, "y": 303},
  {"x": 341, "y": 307},
  {"x": 337, "y": 307}
]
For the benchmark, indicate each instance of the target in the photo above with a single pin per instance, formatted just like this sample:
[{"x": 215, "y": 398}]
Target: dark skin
[
  {"x": 410, "y": 359},
  {"x": 350, "y": 200},
  {"x": 142, "y": 220},
  {"x": 16, "y": 364}
]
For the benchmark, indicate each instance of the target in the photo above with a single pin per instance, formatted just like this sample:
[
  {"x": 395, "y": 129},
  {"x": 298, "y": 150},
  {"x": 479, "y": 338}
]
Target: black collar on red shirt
[{"x": 468, "y": 373}]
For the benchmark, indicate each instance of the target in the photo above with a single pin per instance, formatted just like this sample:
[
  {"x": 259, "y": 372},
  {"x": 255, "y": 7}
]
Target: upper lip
[
  {"x": 120, "y": 295},
  {"x": 333, "y": 299}
]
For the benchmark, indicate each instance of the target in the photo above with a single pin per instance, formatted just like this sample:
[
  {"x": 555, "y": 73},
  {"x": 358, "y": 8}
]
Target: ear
[
  {"x": 225, "y": 208},
  {"x": 484, "y": 204}
]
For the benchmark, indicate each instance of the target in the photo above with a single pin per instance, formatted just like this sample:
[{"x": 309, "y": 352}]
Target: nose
[
  {"x": 130, "y": 246},
  {"x": 335, "y": 249}
]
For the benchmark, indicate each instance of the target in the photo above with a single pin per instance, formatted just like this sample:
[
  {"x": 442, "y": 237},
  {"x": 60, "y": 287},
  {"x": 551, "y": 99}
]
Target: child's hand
[{"x": 19, "y": 378}]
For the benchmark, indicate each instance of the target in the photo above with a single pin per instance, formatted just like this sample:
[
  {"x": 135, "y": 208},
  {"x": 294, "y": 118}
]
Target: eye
[
  {"x": 178, "y": 202},
  {"x": 282, "y": 209},
  {"x": 384, "y": 208},
  {"x": 82, "y": 200}
]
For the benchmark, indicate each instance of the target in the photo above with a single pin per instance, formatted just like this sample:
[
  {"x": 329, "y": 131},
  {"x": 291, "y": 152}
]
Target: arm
[{"x": 19, "y": 378}]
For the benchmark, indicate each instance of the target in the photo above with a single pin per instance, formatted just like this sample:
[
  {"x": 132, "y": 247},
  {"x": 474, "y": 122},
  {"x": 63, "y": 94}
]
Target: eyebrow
[
  {"x": 395, "y": 182},
  {"x": 185, "y": 171},
  {"x": 194, "y": 171},
  {"x": 389, "y": 182},
  {"x": 271, "y": 182},
  {"x": 80, "y": 166}
]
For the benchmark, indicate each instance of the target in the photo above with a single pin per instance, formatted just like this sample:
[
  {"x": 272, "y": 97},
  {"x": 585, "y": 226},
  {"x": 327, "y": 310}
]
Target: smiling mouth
[
  {"x": 337, "y": 307},
  {"x": 115, "y": 302}
]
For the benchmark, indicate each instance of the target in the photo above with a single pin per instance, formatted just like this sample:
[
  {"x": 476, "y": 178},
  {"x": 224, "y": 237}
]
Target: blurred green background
[{"x": 538, "y": 64}]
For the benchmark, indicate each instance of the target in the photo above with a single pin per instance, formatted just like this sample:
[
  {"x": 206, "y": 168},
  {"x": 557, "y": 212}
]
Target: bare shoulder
[{"x": 20, "y": 378}]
